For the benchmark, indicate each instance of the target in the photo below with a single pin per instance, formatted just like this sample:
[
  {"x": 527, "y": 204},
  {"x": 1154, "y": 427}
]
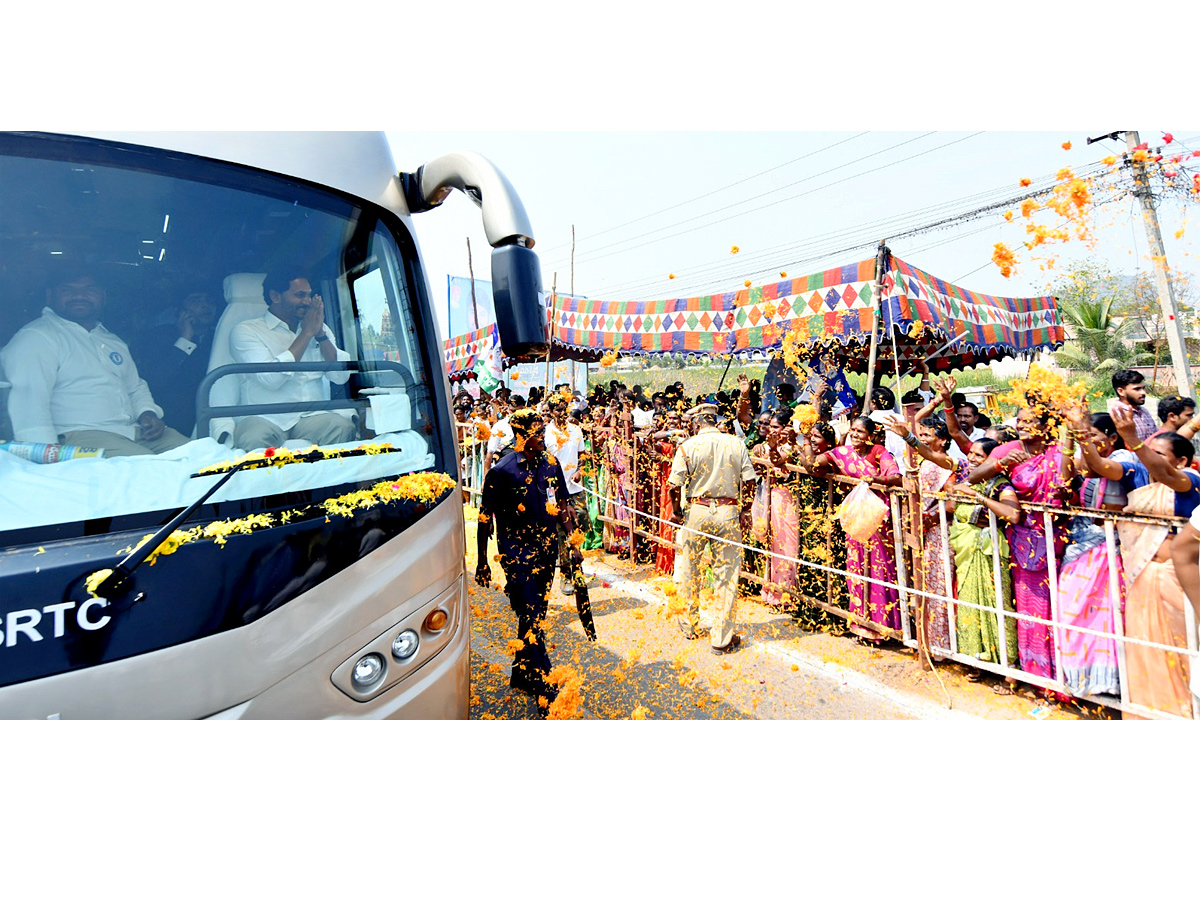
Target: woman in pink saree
[
  {"x": 1040, "y": 473},
  {"x": 620, "y": 481},
  {"x": 784, "y": 511},
  {"x": 860, "y": 458}
]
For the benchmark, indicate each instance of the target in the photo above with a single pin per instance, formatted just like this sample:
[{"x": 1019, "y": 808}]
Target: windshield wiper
[{"x": 112, "y": 585}]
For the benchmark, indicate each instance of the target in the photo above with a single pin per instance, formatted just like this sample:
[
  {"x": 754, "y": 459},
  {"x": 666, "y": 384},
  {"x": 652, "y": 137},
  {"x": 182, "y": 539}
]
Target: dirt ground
[{"x": 642, "y": 667}]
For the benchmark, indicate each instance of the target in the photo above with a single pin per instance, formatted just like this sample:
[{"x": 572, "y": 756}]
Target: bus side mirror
[{"x": 516, "y": 287}]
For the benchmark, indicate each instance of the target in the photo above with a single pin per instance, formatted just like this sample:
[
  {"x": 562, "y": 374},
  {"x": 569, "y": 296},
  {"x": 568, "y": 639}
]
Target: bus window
[{"x": 166, "y": 254}]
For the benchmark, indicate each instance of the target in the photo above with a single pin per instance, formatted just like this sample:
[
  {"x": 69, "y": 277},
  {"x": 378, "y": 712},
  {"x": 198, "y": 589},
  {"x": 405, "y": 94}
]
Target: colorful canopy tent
[
  {"x": 833, "y": 312},
  {"x": 462, "y": 353}
]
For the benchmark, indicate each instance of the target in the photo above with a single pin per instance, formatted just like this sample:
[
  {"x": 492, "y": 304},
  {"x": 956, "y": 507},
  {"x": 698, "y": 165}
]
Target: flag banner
[{"x": 470, "y": 304}]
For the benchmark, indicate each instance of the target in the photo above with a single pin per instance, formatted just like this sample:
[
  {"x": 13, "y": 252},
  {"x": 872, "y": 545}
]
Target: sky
[{"x": 645, "y": 205}]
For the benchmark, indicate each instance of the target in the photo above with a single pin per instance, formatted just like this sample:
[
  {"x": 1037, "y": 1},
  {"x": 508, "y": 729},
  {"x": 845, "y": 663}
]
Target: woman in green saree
[{"x": 978, "y": 632}]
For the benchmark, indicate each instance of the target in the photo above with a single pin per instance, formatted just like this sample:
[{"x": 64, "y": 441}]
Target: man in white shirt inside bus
[
  {"x": 74, "y": 381},
  {"x": 292, "y": 330}
]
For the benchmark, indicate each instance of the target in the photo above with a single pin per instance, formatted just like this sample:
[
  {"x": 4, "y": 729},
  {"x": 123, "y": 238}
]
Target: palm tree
[{"x": 1092, "y": 303}]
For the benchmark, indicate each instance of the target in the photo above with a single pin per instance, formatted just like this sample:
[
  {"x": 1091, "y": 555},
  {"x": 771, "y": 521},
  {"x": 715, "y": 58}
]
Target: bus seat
[
  {"x": 243, "y": 300},
  {"x": 6, "y": 431}
]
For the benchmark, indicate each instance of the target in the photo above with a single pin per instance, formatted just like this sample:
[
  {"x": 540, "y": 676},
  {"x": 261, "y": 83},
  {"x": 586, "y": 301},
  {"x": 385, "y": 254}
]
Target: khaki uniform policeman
[{"x": 715, "y": 471}]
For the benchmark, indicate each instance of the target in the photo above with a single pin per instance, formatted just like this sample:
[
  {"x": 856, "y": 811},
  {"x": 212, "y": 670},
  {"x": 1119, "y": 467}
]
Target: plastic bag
[
  {"x": 760, "y": 513},
  {"x": 861, "y": 514}
]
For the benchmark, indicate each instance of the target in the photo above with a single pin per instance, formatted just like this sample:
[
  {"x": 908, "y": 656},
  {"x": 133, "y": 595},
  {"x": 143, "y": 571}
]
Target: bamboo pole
[
  {"x": 471, "y": 272},
  {"x": 549, "y": 346},
  {"x": 873, "y": 356}
]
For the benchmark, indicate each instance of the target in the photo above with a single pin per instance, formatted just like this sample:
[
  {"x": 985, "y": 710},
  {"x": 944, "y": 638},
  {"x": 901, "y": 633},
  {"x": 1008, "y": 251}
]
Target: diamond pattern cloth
[{"x": 831, "y": 309}]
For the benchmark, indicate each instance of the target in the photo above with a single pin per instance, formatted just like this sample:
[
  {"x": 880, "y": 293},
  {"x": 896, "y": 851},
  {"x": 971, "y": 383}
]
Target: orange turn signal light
[{"x": 436, "y": 620}]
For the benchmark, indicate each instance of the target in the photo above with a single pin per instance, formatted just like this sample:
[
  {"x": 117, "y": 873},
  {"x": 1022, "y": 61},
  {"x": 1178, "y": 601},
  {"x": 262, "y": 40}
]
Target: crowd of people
[{"x": 623, "y": 452}]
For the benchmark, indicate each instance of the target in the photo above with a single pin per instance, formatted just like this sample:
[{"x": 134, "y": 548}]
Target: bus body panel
[
  {"x": 358, "y": 163},
  {"x": 282, "y": 665},
  {"x": 283, "y": 662}
]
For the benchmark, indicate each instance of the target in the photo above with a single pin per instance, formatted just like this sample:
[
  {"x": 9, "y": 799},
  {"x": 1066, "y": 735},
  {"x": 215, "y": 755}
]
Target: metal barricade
[{"x": 909, "y": 544}]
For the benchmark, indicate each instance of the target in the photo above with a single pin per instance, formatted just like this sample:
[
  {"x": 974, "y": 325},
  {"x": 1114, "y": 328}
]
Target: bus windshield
[{"x": 131, "y": 278}]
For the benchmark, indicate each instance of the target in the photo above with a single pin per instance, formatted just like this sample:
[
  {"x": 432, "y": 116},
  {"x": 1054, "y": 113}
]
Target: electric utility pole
[{"x": 1166, "y": 287}]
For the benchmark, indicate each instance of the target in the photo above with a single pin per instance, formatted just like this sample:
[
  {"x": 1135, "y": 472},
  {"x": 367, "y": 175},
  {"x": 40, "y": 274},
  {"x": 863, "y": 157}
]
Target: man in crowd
[
  {"x": 74, "y": 381},
  {"x": 500, "y": 436},
  {"x": 785, "y": 396},
  {"x": 715, "y": 471},
  {"x": 525, "y": 494},
  {"x": 292, "y": 330},
  {"x": 1177, "y": 414},
  {"x": 175, "y": 353},
  {"x": 564, "y": 441},
  {"x": 1130, "y": 388},
  {"x": 967, "y": 414},
  {"x": 883, "y": 407}
]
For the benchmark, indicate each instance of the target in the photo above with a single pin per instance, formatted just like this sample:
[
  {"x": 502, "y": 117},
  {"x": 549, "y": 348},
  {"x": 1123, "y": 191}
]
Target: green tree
[
  {"x": 1097, "y": 308},
  {"x": 1145, "y": 312}
]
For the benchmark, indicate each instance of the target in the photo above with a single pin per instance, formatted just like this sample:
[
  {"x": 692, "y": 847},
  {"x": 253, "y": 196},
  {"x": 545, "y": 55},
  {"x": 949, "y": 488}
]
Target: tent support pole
[
  {"x": 721, "y": 384},
  {"x": 873, "y": 358},
  {"x": 550, "y": 339}
]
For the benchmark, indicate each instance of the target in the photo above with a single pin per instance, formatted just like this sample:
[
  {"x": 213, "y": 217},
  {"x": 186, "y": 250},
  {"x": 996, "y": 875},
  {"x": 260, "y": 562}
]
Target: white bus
[{"x": 207, "y": 579}]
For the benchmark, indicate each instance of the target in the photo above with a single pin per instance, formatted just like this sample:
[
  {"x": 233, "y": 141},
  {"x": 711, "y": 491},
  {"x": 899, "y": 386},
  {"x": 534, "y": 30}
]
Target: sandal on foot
[{"x": 734, "y": 643}]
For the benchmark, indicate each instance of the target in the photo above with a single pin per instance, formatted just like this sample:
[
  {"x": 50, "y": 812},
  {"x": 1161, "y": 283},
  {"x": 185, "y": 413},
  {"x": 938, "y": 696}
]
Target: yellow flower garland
[{"x": 422, "y": 487}]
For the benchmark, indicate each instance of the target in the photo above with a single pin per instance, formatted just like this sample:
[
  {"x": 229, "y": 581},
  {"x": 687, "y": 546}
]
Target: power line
[
  {"x": 758, "y": 197},
  {"x": 791, "y": 198},
  {"x": 717, "y": 191},
  {"x": 895, "y": 227}
]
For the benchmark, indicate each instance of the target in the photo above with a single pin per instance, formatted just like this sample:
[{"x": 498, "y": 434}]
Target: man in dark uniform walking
[{"x": 526, "y": 495}]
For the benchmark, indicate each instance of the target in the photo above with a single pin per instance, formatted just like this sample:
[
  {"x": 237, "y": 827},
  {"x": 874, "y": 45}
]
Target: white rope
[
  {"x": 1008, "y": 614},
  {"x": 992, "y": 610}
]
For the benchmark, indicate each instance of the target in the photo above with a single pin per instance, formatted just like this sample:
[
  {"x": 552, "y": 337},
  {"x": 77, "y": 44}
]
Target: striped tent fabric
[
  {"x": 981, "y": 323},
  {"x": 834, "y": 304},
  {"x": 832, "y": 309},
  {"x": 461, "y": 353}
]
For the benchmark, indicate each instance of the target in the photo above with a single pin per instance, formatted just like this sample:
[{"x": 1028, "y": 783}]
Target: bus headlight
[
  {"x": 405, "y": 644},
  {"x": 368, "y": 670}
]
